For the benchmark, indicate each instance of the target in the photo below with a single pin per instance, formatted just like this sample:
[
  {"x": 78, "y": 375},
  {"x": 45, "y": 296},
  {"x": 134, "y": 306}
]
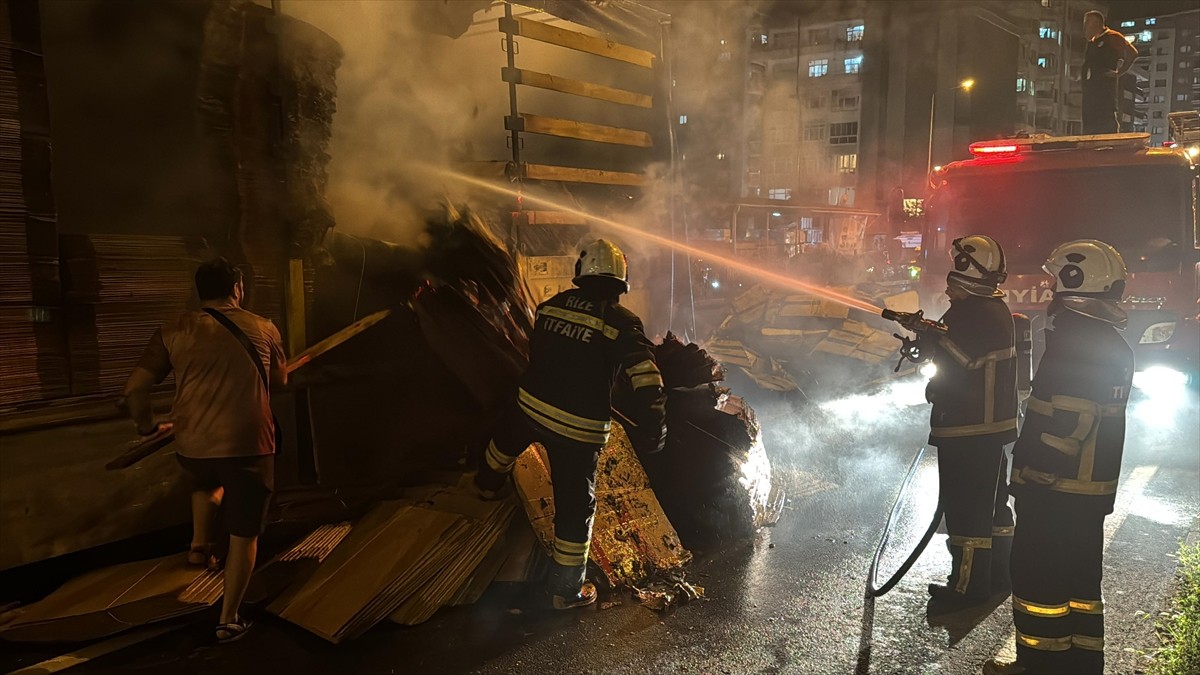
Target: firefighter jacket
[
  {"x": 1074, "y": 431},
  {"x": 974, "y": 392},
  {"x": 582, "y": 342}
]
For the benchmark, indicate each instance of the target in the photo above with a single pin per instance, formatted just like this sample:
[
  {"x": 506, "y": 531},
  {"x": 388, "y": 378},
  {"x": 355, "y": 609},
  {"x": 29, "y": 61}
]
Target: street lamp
[{"x": 965, "y": 85}]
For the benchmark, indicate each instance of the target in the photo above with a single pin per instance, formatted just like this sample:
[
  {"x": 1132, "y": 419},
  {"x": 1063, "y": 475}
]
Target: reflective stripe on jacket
[
  {"x": 974, "y": 392},
  {"x": 581, "y": 344},
  {"x": 1074, "y": 431}
]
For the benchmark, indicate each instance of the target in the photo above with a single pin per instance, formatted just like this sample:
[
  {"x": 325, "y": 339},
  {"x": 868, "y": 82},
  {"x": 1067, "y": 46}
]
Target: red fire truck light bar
[{"x": 992, "y": 149}]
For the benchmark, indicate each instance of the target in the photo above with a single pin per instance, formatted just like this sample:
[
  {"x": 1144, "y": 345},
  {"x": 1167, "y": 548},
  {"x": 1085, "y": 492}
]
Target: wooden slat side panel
[
  {"x": 583, "y": 131},
  {"x": 532, "y": 78},
  {"x": 535, "y": 30},
  {"x": 568, "y": 174}
]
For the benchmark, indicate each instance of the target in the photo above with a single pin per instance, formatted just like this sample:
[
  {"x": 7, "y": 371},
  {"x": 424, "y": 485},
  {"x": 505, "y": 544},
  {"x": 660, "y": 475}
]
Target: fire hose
[
  {"x": 910, "y": 350},
  {"x": 873, "y": 589}
]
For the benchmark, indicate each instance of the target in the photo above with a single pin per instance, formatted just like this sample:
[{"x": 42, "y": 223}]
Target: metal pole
[
  {"x": 510, "y": 47},
  {"x": 929, "y": 157}
]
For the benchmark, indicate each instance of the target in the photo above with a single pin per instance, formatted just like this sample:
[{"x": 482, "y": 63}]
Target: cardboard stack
[
  {"x": 35, "y": 363},
  {"x": 403, "y": 560},
  {"x": 115, "y": 599}
]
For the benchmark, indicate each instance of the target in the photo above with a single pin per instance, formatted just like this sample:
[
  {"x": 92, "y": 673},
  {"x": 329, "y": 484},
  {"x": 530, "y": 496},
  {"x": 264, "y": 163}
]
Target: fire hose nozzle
[{"x": 914, "y": 321}]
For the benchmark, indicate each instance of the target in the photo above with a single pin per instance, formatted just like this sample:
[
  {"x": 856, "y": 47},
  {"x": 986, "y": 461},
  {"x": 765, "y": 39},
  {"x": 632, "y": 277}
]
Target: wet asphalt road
[{"x": 792, "y": 602}]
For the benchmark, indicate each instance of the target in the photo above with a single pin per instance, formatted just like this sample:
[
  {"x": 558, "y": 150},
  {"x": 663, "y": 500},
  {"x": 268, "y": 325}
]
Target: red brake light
[{"x": 993, "y": 149}]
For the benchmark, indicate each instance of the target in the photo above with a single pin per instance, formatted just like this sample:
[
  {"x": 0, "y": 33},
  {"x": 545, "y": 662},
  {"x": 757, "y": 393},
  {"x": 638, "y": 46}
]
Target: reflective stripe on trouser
[
  {"x": 1056, "y": 569},
  {"x": 967, "y": 480},
  {"x": 1002, "y": 528},
  {"x": 512, "y": 435},
  {"x": 573, "y": 477}
]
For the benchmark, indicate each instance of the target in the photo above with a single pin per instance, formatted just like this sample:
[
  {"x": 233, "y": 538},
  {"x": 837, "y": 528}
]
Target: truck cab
[{"x": 1031, "y": 194}]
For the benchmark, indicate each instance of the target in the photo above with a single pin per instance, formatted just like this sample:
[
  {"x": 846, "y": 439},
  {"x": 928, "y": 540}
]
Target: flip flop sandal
[{"x": 232, "y": 632}]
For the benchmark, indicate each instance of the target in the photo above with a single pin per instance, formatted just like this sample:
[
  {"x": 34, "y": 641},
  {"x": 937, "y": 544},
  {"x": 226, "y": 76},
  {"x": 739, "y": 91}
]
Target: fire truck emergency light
[{"x": 985, "y": 149}]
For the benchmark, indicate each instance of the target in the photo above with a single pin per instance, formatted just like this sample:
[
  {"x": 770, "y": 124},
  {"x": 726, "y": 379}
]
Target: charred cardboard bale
[
  {"x": 713, "y": 479},
  {"x": 632, "y": 539},
  {"x": 784, "y": 342}
]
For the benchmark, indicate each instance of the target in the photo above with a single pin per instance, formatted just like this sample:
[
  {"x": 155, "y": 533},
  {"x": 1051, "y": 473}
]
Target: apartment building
[{"x": 1169, "y": 64}]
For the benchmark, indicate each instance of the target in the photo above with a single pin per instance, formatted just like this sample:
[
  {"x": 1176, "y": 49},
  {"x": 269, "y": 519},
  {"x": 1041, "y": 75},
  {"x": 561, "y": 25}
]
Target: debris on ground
[{"x": 666, "y": 592}]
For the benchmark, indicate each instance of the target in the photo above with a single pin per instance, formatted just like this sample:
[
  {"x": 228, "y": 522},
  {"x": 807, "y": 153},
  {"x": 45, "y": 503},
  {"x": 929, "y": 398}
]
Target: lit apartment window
[
  {"x": 1181, "y": 97},
  {"x": 782, "y": 194},
  {"x": 854, "y": 64},
  {"x": 1151, "y": 21},
  {"x": 1183, "y": 64},
  {"x": 1047, "y": 3},
  {"x": 1022, "y": 85},
  {"x": 1045, "y": 62},
  {"x": 814, "y": 132},
  {"x": 1157, "y": 130},
  {"x": 1048, "y": 30},
  {"x": 1157, "y": 114},
  {"x": 762, "y": 38},
  {"x": 818, "y": 67},
  {"x": 1160, "y": 99},
  {"x": 720, "y": 155},
  {"x": 854, "y": 33},
  {"x": 843, "y": 133},
  {"x": 1145, "y": 36},
  {"x": 847, "y": 163},
  {"x": 1128, "y": 24},
  {"x": 683, "y": 119}
]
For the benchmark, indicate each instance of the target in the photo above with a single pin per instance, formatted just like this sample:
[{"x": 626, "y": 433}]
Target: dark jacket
[
  {"x": 582, "y": 342},
  {"x": 974, "y": 393},
  {"x": 1074, "y": 431}
]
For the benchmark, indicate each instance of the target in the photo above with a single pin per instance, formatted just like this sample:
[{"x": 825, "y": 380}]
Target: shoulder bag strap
[{"x": 245, "y": 342}]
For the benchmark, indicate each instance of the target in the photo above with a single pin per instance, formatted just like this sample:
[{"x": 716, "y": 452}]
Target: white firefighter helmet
[
  {"x": 1089, "y": 278},
  {"x": 979, "y": 266},
  {"x": 603, "y": 259}
]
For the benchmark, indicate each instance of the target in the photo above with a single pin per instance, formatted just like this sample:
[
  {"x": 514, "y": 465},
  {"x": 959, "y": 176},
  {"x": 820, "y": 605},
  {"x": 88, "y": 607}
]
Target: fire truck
[{"x": 1031, "y": 194}]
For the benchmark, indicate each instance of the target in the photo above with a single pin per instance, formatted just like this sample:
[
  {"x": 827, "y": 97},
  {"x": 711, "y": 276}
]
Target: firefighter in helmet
[
  {"x": 583, "y": 340},
  {"x": 1066, "y": 464},
  {"x": 974, "y": 397}
]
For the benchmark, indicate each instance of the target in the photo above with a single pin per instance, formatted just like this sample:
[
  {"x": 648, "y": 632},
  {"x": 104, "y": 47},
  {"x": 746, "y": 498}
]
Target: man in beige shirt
[{"x": 224, "y": 430}]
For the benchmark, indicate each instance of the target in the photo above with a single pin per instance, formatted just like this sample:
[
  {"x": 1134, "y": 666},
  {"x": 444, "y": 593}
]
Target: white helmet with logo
[
  {"x": 603, "y": 259},
  {"x": 1089, "y": 278},
  {"x": 979, "y": 266}
]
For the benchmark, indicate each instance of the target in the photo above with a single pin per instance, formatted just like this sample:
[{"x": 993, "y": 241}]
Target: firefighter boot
[
  {"x": 995, "y": 667},
  {"x": 1002, "y": 539},
  {"x": 970, "y": 581},
  {"x": 569, "y": 587}
]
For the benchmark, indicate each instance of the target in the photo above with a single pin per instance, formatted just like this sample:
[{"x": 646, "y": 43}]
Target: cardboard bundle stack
[
  {"x": 115, "y": 599},
  {"x": 403, "y": 560},
  {"x": 119, "y": 290},
  {"x": 35, "y": 365}
]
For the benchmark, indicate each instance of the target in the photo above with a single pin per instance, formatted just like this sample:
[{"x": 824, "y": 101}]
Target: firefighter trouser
[
  {"x": 1002, "y": 529},
  {"x": 967, "y": 480},
  {"x": 1057, "y": 561},
  {"x": 572, "y": 477}
]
